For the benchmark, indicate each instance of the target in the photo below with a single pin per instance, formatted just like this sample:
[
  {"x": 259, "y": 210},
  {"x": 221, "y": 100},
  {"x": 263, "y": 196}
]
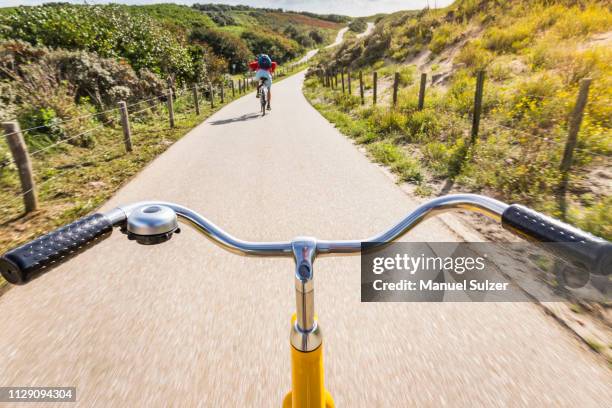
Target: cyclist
[{"x": 264, "y": 68}]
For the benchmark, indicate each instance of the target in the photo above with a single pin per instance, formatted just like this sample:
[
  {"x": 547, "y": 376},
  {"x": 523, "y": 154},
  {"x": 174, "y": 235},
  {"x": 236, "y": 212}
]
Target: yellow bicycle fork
[{"x": 307, "y": 386}]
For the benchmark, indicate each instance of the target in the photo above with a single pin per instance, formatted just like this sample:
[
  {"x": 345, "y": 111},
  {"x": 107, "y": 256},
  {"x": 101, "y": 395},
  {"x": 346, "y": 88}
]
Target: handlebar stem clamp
[{"x": 305, "y": 334}]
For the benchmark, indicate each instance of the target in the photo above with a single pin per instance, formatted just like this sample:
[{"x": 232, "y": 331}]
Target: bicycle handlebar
[{"x": 28, "y": 261}]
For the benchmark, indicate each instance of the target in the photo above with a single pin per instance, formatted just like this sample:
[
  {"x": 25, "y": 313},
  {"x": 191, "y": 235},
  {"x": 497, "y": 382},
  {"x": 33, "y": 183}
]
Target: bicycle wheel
[{"x": 264, "y": 99}]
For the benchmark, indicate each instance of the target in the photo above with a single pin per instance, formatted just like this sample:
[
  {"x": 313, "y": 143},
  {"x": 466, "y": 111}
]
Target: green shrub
[
  {"x": 577, "y": 23},
  {"x": 443, "y": 36},
  {"x": 358, "y": 25},
  {"x": 346, "y": 102},
  {"x": 278, "y": 47},
  {"x": 227, "y": 45},
  {"x": 535, "y": 101},
  {"x": 316, "y": 36},
  {"x": 44, "y": 119},
  {"x": 385, "y": 153},
  {"x": 388, "y": 120},
  {"x": 111, "y": 31},
  {"x": 408, "y": 170},
  {"x": 407, "y": 74},
  {"x": 461, "y": 92},
  {"x": 474, "y": 56},
  {"x": 596, "y": 218},
  {"x": 422, "y": 125},
  {"x": 445, "y": 160},
  {"x": 510, "y": 38}
]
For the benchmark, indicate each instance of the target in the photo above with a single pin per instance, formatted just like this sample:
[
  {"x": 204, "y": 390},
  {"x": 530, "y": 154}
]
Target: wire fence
[
  {"x": 477, "y": 125},
  {"x": 150, "y": 113},
  {"x": 330, "y": 80}
]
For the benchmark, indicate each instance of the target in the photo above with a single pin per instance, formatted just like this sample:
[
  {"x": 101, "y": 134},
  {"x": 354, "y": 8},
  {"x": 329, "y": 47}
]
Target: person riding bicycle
[{"x": 264, "y": 68}]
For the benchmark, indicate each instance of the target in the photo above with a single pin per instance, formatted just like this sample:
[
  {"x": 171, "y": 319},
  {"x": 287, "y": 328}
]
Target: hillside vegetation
[
  {"x": 64, "y": 68},
  {"x": 60, "y": 60},
  {"x": 534, "y": 54}
]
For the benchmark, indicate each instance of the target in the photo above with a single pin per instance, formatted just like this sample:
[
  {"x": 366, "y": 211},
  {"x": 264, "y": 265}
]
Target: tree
[{"x": 316, "y": 36}]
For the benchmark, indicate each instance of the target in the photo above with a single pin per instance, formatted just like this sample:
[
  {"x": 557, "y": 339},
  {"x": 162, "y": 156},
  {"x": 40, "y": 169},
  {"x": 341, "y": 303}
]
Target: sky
[{"x": 346, "y": 7}]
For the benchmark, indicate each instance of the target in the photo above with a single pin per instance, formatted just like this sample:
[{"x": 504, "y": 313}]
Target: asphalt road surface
[
  {"x": 339, "y": 37},
  {"x": 187, "y": 324}
]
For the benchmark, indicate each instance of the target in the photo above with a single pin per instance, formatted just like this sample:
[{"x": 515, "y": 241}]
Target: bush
[
  {"x": 316, "y": 36},
  {"x": 110, "y": 31},
  {"x": 510, "y": 38},
  {"x": 578, "y": 23},
  {"x": 444, "y": 160},
  {"x": 227, "y": 45},
  {"x": 445, "y": 35},
  {"x": 346, "y": 102},
  {"x": 422, "y": 125},
  {"x": 391, "y": 155},
  {"x": 596, "y": 218},
  {"x": 534, "y": 101},
  {"x": 44, "y": 119},
  {"x": 375, "y": 46},
  {"x": 358, "y": 25},
  {"x": 461, "y": 92},
  {"x": 279, "y": 48},
  {"x": 42, "y": 85},
  {"x": 222, "y": 18},
  {"x": 474, "y": 56},
  {"x": 388, "y": 121}
]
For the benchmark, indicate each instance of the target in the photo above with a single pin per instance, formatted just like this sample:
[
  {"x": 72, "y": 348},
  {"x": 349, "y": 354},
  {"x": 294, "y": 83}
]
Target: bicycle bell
[{"x": 152, "y": 224}]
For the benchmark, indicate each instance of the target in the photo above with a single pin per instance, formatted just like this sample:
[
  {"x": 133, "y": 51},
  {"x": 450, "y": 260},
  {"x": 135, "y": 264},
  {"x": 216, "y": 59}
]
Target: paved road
[
  {"x": 337, "y": 41},
  {"x": 307, "y": 56},
  {"x": 368, "y": 30},
  {"x": 339, "y": 37},
  {"x": 187, "y": 324}
]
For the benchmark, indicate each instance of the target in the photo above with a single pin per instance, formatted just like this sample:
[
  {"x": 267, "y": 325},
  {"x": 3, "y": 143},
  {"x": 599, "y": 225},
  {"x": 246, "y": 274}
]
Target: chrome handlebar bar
[{"x": 484, "y": 205}]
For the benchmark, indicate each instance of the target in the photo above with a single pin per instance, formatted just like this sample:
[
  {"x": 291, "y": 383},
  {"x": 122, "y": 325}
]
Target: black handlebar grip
[
  {"x": 24, "y": 263},
  {"x": 572, "y": 244}
]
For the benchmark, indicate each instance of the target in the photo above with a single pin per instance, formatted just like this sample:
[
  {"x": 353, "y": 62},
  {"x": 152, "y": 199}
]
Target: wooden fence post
[
  {"x": 196, "y": 100},
  {"x": 170, "y": 103},
  {"x": 342, "y": 76},
  {"x": 422, "y": 91},
  {"x": 171, "y": 85},
  {"x": 18, "y": 149},
  {"x": 212, "y": 95},
  {"x": 395, "y": 86},
  {"x": 348, "y": 79},
  {"x": 374, "y": 86},
  {"x": 125, "y": 124},
  {"x": 575, "y": 121},
  {"x": 477, "y": 105},
  {"x": 361, "y": 87},
  {"x": 222, "y": 94},
  {"x": 233, "y": 89}
]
